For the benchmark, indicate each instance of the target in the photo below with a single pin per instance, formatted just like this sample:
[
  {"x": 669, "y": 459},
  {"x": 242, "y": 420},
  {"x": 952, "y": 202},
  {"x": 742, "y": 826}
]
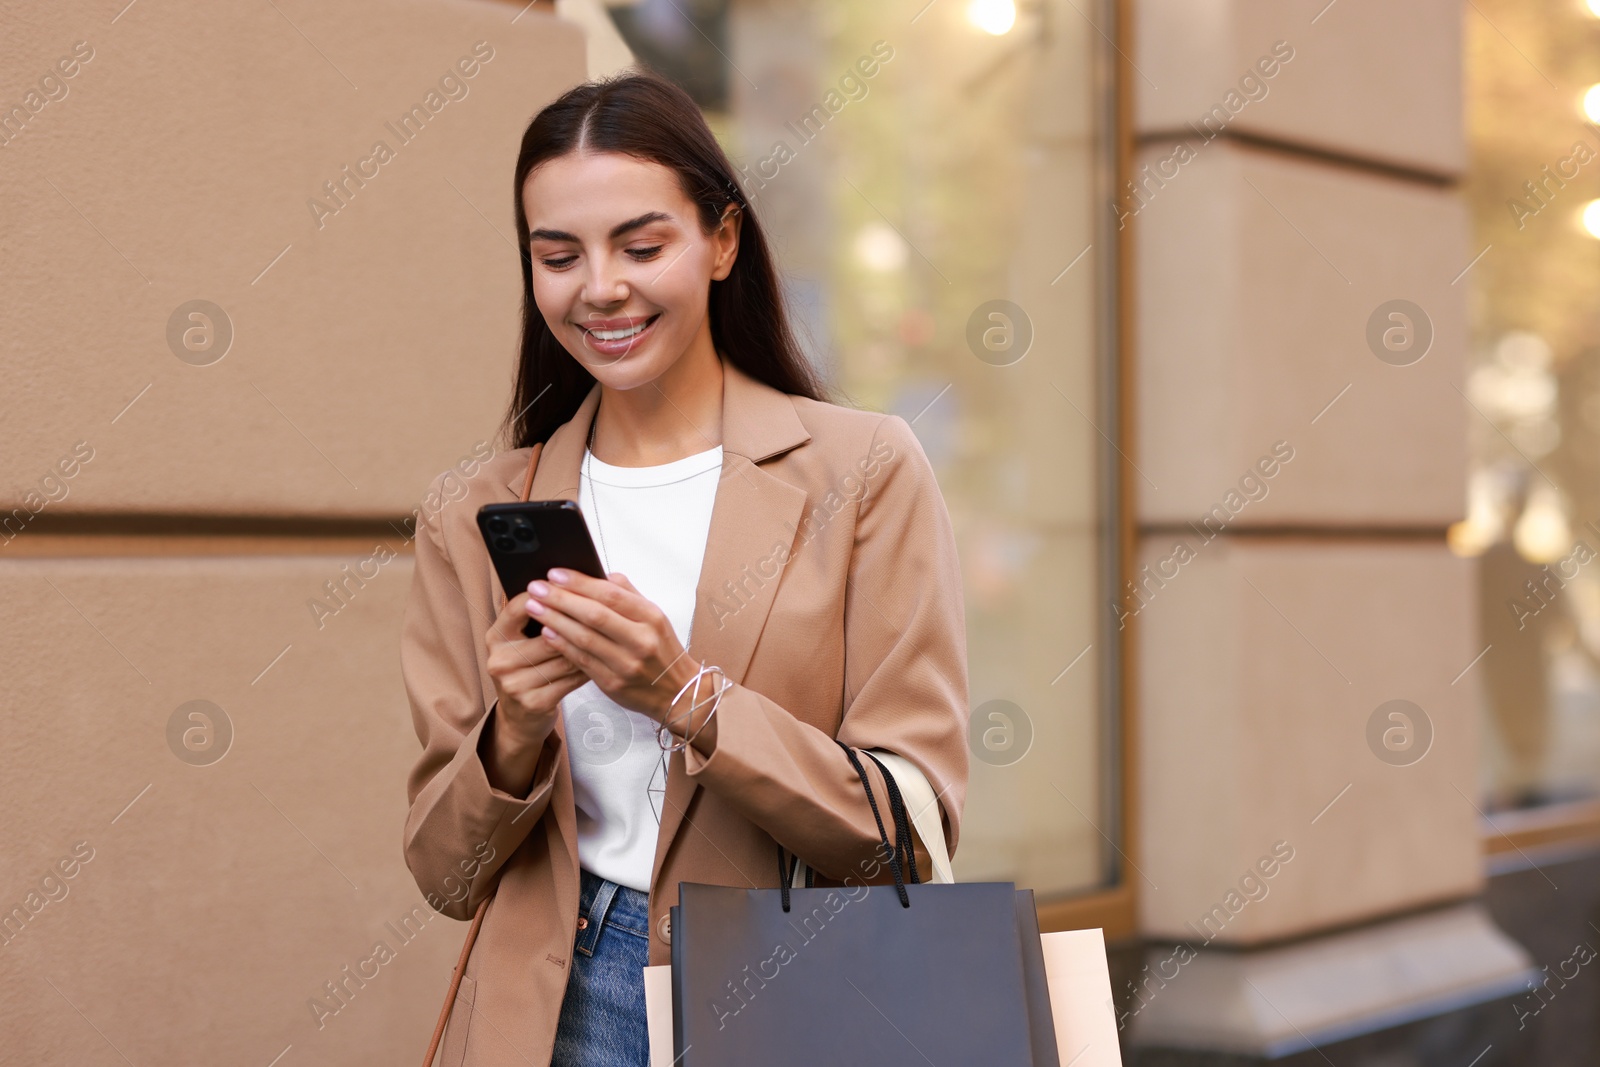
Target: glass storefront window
[
  {"x": 1533, "y": 519},
  {"x": 929, "y": 175}
]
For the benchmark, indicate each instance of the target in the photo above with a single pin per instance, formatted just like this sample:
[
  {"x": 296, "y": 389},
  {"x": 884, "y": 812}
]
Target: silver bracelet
[
  {"x": 722, "y": 685},
  {"x": 715, "y": 700}
]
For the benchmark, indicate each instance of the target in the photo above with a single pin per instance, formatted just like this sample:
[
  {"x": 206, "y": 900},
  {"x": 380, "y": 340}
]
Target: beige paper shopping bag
[
  {"x": 1080, "y": 998},
  {"x": 658, "y": 1013}
]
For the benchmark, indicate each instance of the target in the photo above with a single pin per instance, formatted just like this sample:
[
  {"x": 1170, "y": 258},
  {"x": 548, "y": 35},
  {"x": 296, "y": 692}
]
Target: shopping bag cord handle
[
  {"x": 902, "y": 829},
  {"x": 883, "y": 836},
  {"x": 902, "y": 823}
]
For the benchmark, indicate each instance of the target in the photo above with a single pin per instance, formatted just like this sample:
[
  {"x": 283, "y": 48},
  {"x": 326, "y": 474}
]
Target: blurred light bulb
[
  {"x": 998, "y": 16},
  {"x": 1465, "y": 539},
  {"x": 1594, "y": 8},
  {"x": 1591, "y": 100},
  {"x": 879, "y": 248},
  {"x": 1542, "y": 533},
  {"x": 1591, "y": 215}
]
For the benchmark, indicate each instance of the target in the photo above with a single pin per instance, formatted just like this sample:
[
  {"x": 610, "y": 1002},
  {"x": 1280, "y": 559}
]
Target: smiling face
[{"x": 621, "y": 271}]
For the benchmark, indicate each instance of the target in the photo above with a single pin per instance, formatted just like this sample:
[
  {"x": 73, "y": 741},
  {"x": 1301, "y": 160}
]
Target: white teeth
[{"x": 616, "y": 335}]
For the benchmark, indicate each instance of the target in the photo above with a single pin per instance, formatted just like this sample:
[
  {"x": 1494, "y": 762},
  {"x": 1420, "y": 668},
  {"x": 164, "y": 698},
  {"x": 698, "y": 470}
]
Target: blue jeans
[{"x": 602, "y": 1015}]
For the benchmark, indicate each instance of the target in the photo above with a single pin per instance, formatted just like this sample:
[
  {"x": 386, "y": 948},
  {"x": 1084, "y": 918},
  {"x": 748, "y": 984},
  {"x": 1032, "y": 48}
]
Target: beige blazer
[{"x": 831, "y": 594}]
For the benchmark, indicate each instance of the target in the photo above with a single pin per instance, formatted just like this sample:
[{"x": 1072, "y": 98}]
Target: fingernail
[
  {"x": 534, "y": 607},
  {"x": 538, "y": 589},
  {"x": 558, "y": 575}
]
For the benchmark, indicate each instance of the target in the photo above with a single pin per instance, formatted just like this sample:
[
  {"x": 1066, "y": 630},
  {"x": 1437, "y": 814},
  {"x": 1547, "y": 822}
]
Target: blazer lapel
[
  {"x": 562, "y": 458},
  {"x": 756, "y": 514}
]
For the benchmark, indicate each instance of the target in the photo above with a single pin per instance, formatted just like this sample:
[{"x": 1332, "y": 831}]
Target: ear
[{"x": 726, "y": 241}]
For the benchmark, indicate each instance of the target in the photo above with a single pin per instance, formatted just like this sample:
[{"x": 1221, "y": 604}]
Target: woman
[{"x": 746, "y": 525}]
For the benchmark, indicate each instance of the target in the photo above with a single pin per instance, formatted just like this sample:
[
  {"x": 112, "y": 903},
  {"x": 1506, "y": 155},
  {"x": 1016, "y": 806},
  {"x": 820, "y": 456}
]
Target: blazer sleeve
[
  {"x": 905, "y": 687},
  {"x": 460, "y": 830}
]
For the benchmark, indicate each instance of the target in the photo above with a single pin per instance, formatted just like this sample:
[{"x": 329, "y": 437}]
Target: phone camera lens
[
  {"x": 524, "y": 532},
  {"x": 498, "y": 525},
  {"x": 505, "y": 544}
]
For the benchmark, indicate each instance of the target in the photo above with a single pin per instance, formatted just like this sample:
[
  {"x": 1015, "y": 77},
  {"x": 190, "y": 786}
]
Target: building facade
[{"x": 1220, "y": 322}]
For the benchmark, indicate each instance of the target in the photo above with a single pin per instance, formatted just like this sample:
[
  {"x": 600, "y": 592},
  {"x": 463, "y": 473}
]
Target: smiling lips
[{"x": 616, "y": 336}]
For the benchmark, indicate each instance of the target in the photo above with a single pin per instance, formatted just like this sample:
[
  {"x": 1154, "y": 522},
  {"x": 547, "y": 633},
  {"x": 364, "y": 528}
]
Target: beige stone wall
[
  {"x": 1372, "y": 81},
  {"x": 189, "y": 884},
  {"x": 1330, "y": 465},
  {"x": 371, "y": 339}
]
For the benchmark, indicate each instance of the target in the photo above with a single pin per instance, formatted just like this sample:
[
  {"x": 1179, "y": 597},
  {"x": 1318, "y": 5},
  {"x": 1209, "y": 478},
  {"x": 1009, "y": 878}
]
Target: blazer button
[{"x": 664, "y": 928}]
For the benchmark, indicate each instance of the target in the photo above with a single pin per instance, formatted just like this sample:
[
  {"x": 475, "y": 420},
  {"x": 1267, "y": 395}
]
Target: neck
[{"x": 677, "y": 415}]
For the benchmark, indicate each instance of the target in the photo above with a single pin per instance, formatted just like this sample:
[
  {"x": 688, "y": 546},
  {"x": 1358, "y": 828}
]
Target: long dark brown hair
[{"x": 646, "y": 117}]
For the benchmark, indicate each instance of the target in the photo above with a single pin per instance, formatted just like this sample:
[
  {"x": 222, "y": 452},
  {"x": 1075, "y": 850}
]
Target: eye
[
  {"x": 559, "y": 263},
  {"x": 643, "y": 254}
]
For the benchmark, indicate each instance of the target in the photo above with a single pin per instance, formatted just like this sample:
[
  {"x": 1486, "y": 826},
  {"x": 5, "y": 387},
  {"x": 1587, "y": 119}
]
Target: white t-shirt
[{"x": 652, "y": 526}]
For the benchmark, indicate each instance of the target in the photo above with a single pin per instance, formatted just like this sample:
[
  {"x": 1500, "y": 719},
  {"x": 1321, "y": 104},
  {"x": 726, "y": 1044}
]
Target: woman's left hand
[{"x": 621, "y": 640}]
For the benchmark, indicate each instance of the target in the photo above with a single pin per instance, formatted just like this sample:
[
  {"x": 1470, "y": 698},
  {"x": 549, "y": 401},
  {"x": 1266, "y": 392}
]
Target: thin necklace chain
[{"x": 594, "y": 498}]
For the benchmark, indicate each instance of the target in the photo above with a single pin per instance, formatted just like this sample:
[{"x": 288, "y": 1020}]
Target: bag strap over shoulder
[
  {"x": 533, "y": 464},
  {"x": 455, "y": 982},
  {"x": 477, "y": 919}
]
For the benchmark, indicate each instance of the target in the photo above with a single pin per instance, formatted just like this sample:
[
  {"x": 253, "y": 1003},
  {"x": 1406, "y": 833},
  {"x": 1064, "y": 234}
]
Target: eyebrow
[{"x": 616, "y": 231}]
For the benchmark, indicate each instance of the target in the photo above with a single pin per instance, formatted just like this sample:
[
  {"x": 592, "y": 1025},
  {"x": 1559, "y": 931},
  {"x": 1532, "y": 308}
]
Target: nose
[{"x": 604, "y": 285}]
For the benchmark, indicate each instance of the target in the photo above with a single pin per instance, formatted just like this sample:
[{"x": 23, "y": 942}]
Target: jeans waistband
[{"x": 604, "y": 902}]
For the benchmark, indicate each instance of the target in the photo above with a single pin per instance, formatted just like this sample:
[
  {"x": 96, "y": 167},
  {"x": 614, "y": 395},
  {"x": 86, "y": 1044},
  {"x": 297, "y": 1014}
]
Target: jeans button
[
  {"x": 583, "y": 923},
  {"x": 664, "y": 928}
]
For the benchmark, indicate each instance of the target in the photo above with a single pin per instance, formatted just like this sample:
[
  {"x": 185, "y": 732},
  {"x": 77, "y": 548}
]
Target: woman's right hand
[{"x": 530, "y": 678}]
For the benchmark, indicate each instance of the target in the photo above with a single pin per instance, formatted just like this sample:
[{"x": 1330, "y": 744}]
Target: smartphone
[{"x": 526, "y": 538}]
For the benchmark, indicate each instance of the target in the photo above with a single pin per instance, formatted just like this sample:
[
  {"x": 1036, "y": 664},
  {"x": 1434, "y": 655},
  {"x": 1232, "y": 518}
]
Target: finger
[
  {"x": 535, "y": 681},
  {"x": 591, "y": 651},
  {"x": 625, "y": 601},
  {"x": 548, "y": 672},
  {"x": 513, "y": 616},
  {"x": 506, "y": 653},
  {"x": 592, "y": 613},
  {"x": 574, "y": 639},
  {"x": 634, "y": 597}
]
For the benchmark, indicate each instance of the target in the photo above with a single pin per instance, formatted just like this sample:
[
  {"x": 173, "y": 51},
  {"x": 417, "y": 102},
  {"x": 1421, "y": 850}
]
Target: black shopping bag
[{"x": 884, "y": 975}]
